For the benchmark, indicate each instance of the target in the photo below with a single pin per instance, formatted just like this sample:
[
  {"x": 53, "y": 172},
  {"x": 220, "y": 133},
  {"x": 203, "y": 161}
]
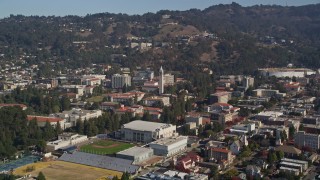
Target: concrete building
[
  {"x": 118, "y": 81},
  {"x": 220, "y": 97},
  {"x": 293, "y": 166},
  {"x": 91, "y": 80},
  {"x": 303, "y": 139},
  {"x": 161, "y": 81},
  {"x": 143, "y": 131},
  {"x": 235, "y": 147},
  {"x": 142, "y": 76},
  {"x": 79, "y": 90},
  {"x": 289, "y": 151},
  {"x": 169, "y": 146},
  {"x": 274, "y": 130},
  {"x": 188, "y": 163},
  {"x": 153, "y": 100},
  {"x": 286, "y": 72},
  {"x": 64, "y": 140},
  {"x": 253, "y": 171},
  {"x": 268, "y": 93},
  {"x": 150, "y": 86},
  {"x": 42, "y": 120},
  {"x": 73, "y": 115},
  {"x": 172, "y": 175},
  {"x": 194, "y": 119},
  {"x": 248, "y": 82},
  {"x": 243, "y": 128},
  {"x": 168, "y": 79},
  {"x": 311, "y": 120},
  {"x": 220, "y": 155},
  {"x": 266, "y": 115},
  {"x": 136, "y": 154},
  {"x": 125, "y": 97}
]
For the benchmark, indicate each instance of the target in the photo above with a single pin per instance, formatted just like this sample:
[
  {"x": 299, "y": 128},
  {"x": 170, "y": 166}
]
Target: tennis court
[{"x": 18, "y": 163}]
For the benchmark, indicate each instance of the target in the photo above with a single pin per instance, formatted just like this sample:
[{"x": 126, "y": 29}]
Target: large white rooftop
[
  {"x": 270, "y": 113},
  {"x": 140, "y": 125},
  {"x": 169, "y": 141},
  {"x": 135, "y": 151}
]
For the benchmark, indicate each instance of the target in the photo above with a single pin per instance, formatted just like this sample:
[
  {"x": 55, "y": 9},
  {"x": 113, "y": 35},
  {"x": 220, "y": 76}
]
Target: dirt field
[{"x": 59, "y": 170}]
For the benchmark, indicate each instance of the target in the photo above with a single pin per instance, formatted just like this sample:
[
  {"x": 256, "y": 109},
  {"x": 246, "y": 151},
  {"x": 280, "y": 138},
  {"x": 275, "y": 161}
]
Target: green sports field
[{"x": 105, "y": 147}]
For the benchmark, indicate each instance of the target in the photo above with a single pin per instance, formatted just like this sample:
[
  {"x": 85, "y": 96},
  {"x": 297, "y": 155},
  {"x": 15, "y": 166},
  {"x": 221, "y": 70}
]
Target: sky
[{"x": 84, "y": 7}]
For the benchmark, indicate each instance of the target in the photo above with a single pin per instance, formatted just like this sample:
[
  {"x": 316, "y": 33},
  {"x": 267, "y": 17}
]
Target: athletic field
[
  {"x": 60, "y": 170},
  {"x": 103, "y": 147}
]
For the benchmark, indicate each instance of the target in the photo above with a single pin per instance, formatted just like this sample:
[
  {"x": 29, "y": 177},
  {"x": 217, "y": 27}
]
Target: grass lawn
[
  {"x": 60, "y": 170},
  {"x": 95, "y": 99},
  {"x": 105, "y": 147}
]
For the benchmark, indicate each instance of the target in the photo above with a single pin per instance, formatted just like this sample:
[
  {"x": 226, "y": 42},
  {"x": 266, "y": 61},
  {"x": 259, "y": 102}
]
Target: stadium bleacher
[{"x": 100, "y": 161}]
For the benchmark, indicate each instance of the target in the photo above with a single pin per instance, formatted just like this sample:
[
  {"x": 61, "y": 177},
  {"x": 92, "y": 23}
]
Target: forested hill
[{"x": 224, "y": 38}]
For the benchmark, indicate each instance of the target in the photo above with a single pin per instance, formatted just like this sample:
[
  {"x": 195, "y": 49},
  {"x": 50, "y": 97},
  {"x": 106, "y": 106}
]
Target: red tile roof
[
  {"x": 152, "y": 109},
  {"x": 222, "y": 104},
  {"x": 44, "y": 118},
  {"x": 206, "y": 120},
  {"x": 11, "y": 105},
  {"x": 220, "y": 150}
]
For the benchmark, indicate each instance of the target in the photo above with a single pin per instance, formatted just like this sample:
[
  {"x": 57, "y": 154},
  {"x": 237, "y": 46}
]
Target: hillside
[{"x": 224, "y": 38}]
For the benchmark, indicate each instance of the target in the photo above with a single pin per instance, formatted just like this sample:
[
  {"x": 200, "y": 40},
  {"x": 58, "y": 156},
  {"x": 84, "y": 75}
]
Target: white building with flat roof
[
  {"x": 75, "y": 114},
  {"x": 144, "y": 131},
  {"x": 64, "y": 140},
  {"x": 268, "y": 93},
  {"x": 243, "y": 128},
  {"x": 136, "y": 154},
  {"x": 265, "y": 115},
  {"x": 286, "y": 72},
  {"x": 169, "y": 146},
  {"x": 293, "y": 166}
]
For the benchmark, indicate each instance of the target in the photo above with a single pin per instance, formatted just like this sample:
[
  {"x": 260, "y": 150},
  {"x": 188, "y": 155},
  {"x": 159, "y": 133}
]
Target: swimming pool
[{"x": 18, "y": 163}]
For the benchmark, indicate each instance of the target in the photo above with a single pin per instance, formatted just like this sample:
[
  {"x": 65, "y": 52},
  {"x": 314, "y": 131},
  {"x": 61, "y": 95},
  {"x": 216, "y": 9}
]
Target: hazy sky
[{"x": 83, "y": 7}]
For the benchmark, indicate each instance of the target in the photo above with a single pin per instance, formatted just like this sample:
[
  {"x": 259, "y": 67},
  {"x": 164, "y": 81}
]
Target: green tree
[
  {"x": 301, "y": 127},
  {"x": 48, "y": 131},
  {"x": 125, "y": 176},
  {"x": 231, "y": 173},
  {"x": 41, "y": 176},
  {"x": 244, "y": 112},
  {"x": 146, "y": 116},
  {"x": 272, "y": 157},
  {"x": 188, "y": 105},
  {"x": 79, "y": 127},
  {"x": 125, "y": 88},
  {"x": 58, "y": 129},
  {"x": 214, "y": 173},
  {"x": 292, "y": 131},
  {"x": 65, "y": 103},
  {"x": 41, "y": 145},
  {"x": 280, "y": 154}
]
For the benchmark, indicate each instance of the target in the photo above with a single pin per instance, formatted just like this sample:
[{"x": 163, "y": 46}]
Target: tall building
[
  {"x": 161, "y": 81},
  {"x": 247, "y": 82},
  {"x": 308, "y": 140},
  {"x": 168, "y": 79},
  {"x": 118, "y": 81}
]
